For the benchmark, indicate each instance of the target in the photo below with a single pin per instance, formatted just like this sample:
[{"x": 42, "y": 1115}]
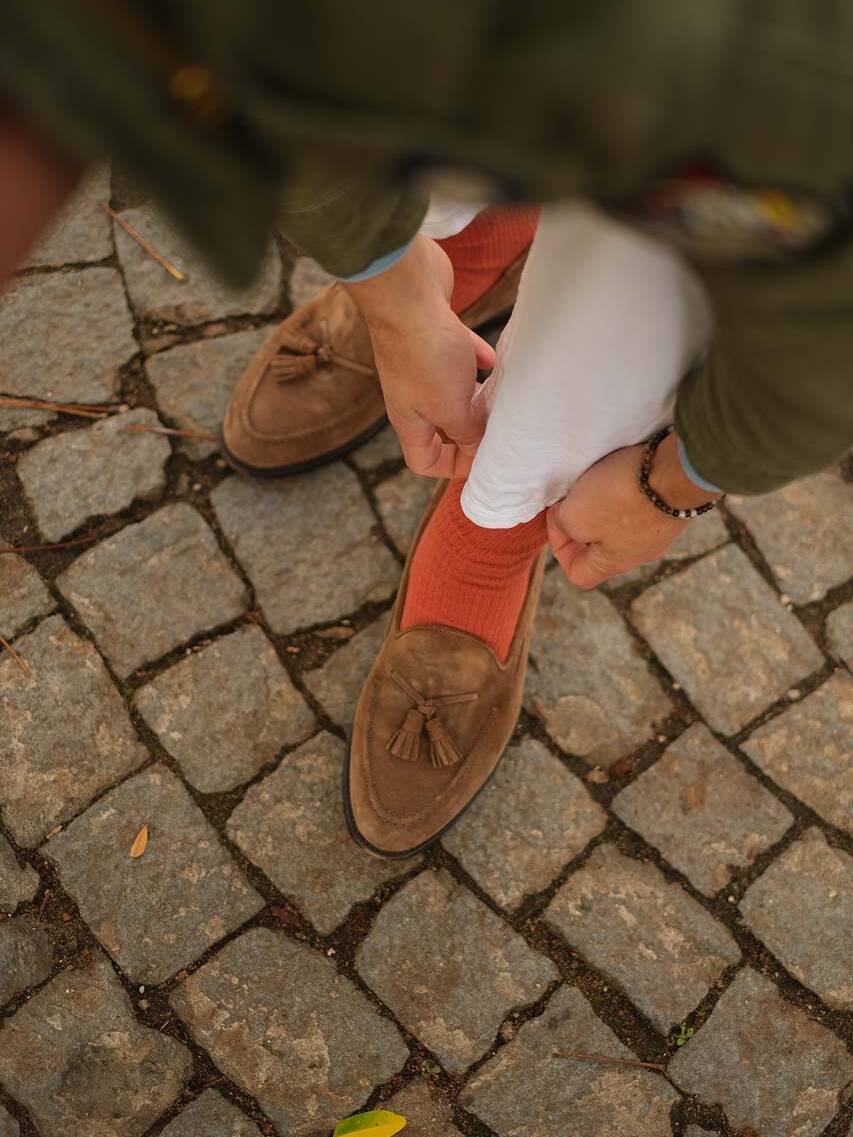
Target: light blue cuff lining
[
  {"x": 687, "y": 466},
  {"x": 381, "y": 264}
]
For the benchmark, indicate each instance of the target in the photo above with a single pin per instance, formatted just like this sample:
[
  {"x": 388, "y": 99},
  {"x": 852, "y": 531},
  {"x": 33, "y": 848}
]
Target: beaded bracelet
[{"x": 643, "y": 479}]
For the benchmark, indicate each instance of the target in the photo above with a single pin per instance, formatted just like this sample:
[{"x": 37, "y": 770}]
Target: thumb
[
  {"x": 484, "y": 353},
  {"x": 580, "y": 562}
]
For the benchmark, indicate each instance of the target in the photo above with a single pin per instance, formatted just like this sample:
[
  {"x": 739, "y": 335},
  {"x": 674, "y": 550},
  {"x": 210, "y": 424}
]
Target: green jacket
[{"x": 326, "y": 119}]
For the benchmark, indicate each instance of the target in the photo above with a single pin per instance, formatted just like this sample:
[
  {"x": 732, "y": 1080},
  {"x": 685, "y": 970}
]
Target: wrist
[
  {"x": 668, "y": 479},
  {"x": 416, "y": 282}
]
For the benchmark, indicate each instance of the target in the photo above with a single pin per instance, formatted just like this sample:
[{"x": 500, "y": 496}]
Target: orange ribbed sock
[
  {"x": 486, "y": 248},
  {"x": 471, "y": 578}
]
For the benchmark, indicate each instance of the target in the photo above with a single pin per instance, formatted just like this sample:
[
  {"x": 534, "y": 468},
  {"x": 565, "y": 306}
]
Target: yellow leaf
[
  {"x": 140, "y": 843},
  {"x": 376, "y": 1123}
]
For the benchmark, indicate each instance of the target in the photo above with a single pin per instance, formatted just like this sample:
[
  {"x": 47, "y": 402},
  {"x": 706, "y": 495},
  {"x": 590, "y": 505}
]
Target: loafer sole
[{"x": 301, "y": 467}]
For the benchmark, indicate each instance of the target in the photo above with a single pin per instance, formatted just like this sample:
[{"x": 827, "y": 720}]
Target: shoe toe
[{"x": 411, "y": 772}]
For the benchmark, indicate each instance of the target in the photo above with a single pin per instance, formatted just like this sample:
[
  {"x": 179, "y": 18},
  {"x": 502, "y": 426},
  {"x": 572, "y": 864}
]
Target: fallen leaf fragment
[
  {"x": 376, "y": 1123},
  {"x": 140, "y": 843},
  {"x": 339, "y": 633}
]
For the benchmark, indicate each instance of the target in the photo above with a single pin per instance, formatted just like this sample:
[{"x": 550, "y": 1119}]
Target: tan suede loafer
[
  {"x": 310, "y": 394},
  {"x": 431, "y": 725}
]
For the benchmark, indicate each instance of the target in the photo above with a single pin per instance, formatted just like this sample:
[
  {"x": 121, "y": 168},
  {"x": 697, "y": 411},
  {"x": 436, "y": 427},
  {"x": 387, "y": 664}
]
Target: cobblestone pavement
[{"x": 666, "y": 848}]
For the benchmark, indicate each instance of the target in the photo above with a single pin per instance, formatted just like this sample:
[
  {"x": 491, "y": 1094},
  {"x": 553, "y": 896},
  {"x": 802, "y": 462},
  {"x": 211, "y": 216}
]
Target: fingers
[
  {"x": 426, "y": 453},
  {"x": 463, "y": 422},
  {"x": 484, "y": 353},
  {"x": 585, "y": 565},
  {"x": 442, "y": 445}
]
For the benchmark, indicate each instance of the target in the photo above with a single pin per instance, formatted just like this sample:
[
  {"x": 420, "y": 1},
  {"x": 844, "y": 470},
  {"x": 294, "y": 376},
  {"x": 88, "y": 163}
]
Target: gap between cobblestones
[{"x": 610, "y": 1003}]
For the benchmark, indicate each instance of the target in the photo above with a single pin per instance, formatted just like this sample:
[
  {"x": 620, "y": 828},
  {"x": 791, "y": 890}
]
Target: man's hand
[
  {"x": 605, "y": 525},
  {"x": 427, "y": 361}
]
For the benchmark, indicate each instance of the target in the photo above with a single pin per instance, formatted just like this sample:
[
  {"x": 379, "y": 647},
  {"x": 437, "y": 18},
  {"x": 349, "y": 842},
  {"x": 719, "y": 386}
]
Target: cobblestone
[
  {"x": 100, "y": 469},
  {"x": 226, "y": 710},
  {"x": 210, "y": 1115},
  {"x": 427, "y": 1112},
  {"x": 66, "y": 734},
  {"x": 839, "y": 630},
  {"x": 702, "y": 810},
  {"x": 277, "y": 1013},
  {"x": 402, "y": 500},
  {"x": 193, "y": 383},
  {"x": 155, "y": 913},
  {"x": 647, "y": 934},
  {"x": 291, "y": 825},
  {"x": 807, "y": 750},
  {"x": 306, "y": 280},
  {"x": 771, "y": 1067},
  {"x": 23, "y": 596},
  {"x": 531, "y": 819},
  {"x": 385, "y": 447},
  {"x": 529, "y": 1087},
  {"x": 723, "y": 634},
  {"x": 596, "y": 696},
  {"x": 801, "y": 909},
  {"x": 155, "y": 295},
  {"x": 805, "y": 532},
  {"x": 702, "y": 535},
  {"x": 278, "y": 1019},
  {"x": 26, "y": 957},
  {"x": 81, "y": 232},
  {"x": 21, "y": 422},
  {"x": 77, "y": 1060},
  {"x": 65, "y": 336},
  {"x": 307, "y": 544},
  {"x": 18, "y": 884},
  {"x": 338, "y": 683},
  {"x": 449, "y": 968},
  {"x": 153, "y": 586}
]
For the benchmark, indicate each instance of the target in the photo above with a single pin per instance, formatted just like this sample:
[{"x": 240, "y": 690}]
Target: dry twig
[
  {"x": 140, "y": 240},
  {"x": 24, "y": 666},
  {"x": 610, "y": 1061}
]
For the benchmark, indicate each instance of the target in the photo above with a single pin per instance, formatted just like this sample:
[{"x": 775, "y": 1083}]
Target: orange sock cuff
[
  {"x": 485, "y": 249},
  {"x": 470, "y": 578}
]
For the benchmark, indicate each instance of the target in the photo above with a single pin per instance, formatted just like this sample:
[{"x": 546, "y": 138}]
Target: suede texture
[
  {"x": 276, "y": 426},
  {"x": 396, "y": 806}
]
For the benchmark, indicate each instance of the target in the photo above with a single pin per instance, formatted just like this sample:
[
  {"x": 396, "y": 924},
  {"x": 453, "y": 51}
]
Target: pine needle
[
  {"x": 24, "y": 666},
  {"x": 10, "y": 549},
  {"x": 140, "y": 240},
  {"x": 57, "y": 408},
  {"x": 610, "y": 1061},
  {"x": 143, "y": 428}
]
